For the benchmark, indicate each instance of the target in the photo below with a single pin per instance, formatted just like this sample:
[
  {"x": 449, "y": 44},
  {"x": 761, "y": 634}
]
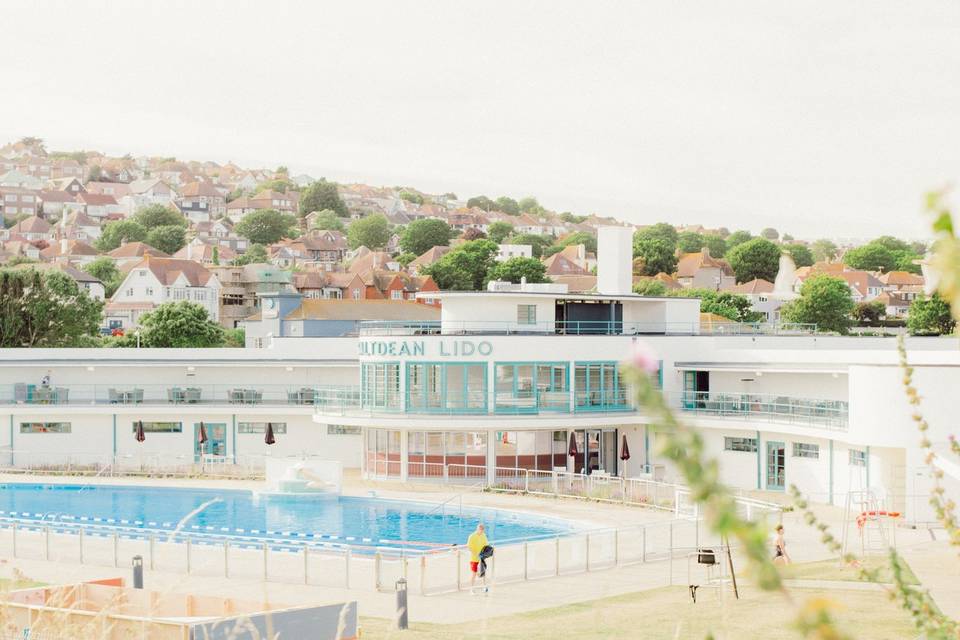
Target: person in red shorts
[{"x": 476, "y": 542}]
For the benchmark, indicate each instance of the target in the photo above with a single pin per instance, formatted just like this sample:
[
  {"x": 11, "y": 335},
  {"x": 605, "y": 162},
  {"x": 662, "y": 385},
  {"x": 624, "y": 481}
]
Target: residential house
[
  {"x": 206, "y": 252},
  {"x": 69, "y": 184},
  {"x": 241, "y": 287},
  {"x": 52, "y": 201},
  {"x": 427, "y": 258},
  {"x": 15, "y": 201},
  {"x": 79, "y": 226},
  {"x": 578, "y": 254},
  {"x": 463, "y": 220},
  {"x": 365, "y": 261},
  {"x": 130, "y": 253},
  {"x": 146, "y": 192},
  {"x": 239, "y": 207},
  {"x": 66, "y": 168},
  {"x": 32, "y": 229},
  {"x": 559, "y": 265},
  {"x": 896, "y": 304},
  {"x": 282, "y": 202},
  {"x": 86, "y": 282},
  {"x": 20, "y": 248},
  {"x": 898, "y": 280},
  {"x": 118, "y": 190},
  {"x": 507, "y": 251},
  {"x": 864, "y": 286},
  {"x": 72, "y": 252},
  {"x": 395, "y": 285},
  {"x": 700, "y": 270},
  {"x": 155, "y": 281},
  {"x": 97, "y": 205},
  {"x": 758, "y": 292},
  {"x": 201, "y": 201},
  {"x": 20, "y": 180},
  {"x": 325, "y": 249}
]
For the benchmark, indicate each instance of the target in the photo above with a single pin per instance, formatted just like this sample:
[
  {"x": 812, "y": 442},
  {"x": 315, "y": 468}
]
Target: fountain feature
[{"x": 303, "y": 477}]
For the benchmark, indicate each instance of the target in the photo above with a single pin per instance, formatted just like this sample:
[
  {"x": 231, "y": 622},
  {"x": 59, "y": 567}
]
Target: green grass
[
  {"x": 835, "y": 570},
  {"x": 668, "y": 613}
]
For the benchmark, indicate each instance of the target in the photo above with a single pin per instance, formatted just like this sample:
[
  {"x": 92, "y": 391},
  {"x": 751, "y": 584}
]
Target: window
[
  {"x": 130, "y": 291},
  {"x": 740, "y": 444},
  {"x": 380, "y": 385},
  {"x": 356, "y": 294},
  {"x": 45, "y": 427},
  {"x": 804, "y": 450},
  {"x": 11, "y": 210},
  {"x": 526, "y": 314},
  {"x": 261, "y": 427},
  {"x": 598, "y": 386},
  {"x": 149, "y": 291},
  {"x": 396, "y": 294},
  {"x": 141, "y": 272},
  {"x": 858, "y": 457},
  {"x": 342, "y": 430},
  {"x": 160, "y": 427},
  {"x": 10, "y": 197}
]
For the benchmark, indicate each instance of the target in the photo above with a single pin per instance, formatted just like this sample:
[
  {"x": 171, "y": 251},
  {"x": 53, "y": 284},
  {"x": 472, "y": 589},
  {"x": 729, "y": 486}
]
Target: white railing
[{"x": 246, "y": 466}]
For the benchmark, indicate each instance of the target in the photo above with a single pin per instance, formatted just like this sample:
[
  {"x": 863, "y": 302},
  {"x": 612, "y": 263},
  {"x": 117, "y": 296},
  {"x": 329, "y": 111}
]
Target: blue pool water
[{"x": 347, "y": 520}]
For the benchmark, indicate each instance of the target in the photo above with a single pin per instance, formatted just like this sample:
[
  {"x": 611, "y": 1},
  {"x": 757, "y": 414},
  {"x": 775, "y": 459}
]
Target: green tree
[
  {"x": 770, "y": 233},
  {"x": 95, "y": 174},
  {"x": 411, "y": 196},
  {"x": 823, "y": 250},
  {"x": 234, "y": 338},
  {"x": 660, "y": 231},
  {"x": 321, "y": 195},
  {"x": 281, "y": 185},
  {"x": 537, "y": 242},
  {"x": 801, "y": 254},
  {"x": 507, "y": 205},
  {"x": 737, "y": 237},
  {"x": 566, "y": 216},
  {"x": 530, "y": 205},
  {"x": 930, "y": 317},
  {"x": 787, "y": 237},
  {"x": 498, "y": 231},
  {"x": 423, "y": 235},
  {"x": 871, "y": 257},
  {"x": 906, "y": 261},
  {"x": 372, "y": 232},
  {"x": 588, "y": 240},
  {"x": 157, "y": 215},
  {"x": 327, "y": 220},
  {"x": 180, "y": 325},
  {"x": 894, "y": 244},
  {"x": 481, "y": 202},
  {"x": 472, "y": 233},
  {"x": 216, "y": 256},
  {"x": 515, "y": 269},
  {"x": 690, "y": 242},
  {"x": 650, "y": 287},
  {"x": 464, "y": 268},
  {"x": 757, "y": 258},
  {"x": 405, "y": 259},
  {"x": 105, "y": 270},
  {"x": 119, "y": 231},
  {"x": 255, "y": 254},
  {"x": 732, "y": 306},
  {"x": 869, "y": 314},
  {"x": 168, "y": 238},
  {"x": 716, "y": 245},
  {"x": 45, "y": 310},
  {"x": 266, "y": 226},
  {"x": 825, "y": 301},
  {"x": 656, "y": 256}
]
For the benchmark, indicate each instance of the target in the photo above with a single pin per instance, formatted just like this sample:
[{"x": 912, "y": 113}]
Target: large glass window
[
  {"x": 599, "y": 387},
  {"x": 45, "y": 427},
  {"x": 463, "y": 453},
  {"x": 447, "y": 387},
  {"x": 261, "y": 427},
  {"x": 529, "y": 387},
  {"x": 160, "y": 427},
  {"x": 383, "y": 452},
  {"x": 380, "y": 385}
]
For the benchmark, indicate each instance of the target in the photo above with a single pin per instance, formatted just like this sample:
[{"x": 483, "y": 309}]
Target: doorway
[
  {"x": 600, "y": 451},
  {"x": 776, "y": 466}
]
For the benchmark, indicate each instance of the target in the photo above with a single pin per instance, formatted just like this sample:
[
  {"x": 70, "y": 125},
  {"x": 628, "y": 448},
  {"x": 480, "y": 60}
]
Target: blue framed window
[
  {"x": 446, "y": 387},
  {"x": 531, "y": 387},
  {"x": 380, "y": 385},
  {"x": 598, "y": 386}
]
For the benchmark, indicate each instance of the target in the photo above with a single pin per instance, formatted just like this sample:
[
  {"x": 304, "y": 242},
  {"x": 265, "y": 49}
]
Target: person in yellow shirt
[{"x": 476, "y": 542}]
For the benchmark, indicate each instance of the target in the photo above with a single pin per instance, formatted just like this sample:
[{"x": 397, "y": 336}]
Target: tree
[
  {"x": 823, "y": 250},
  {"x": 327, "y": 220},
  {"x": 423, "y": 235},
  {"x": 787, "y": 237},
  {"x": 716, "y": 245},
  {"x": 515, "y": 269},
  {"x": 235, "y": 338},
  {"x": 119, "y": 231},
  {"x": 464, "y": 268},
  {"x": 321, "y": 195},
  {"x": 733, "y": 306},
  {"x": 660, "y": 231},
  {"x": 95, "y": 174},
  {"x": 405, "y": 259},
  {"x": 825, "y": 301},
  {"x": 801, "y": 254},
  {"x": 566, "y": 216},
  {"x": 472, "y": 233},
  {"x": 281, "y": 185},
  {"x": 216, "y": 256},
  {"x": 869, "y": 314},
  {"x": 871, "y": 257},
  {"x": 737, "y": 237},
  {"x": 507, "y": 205},
  {"x": 167, "y": 238},
  {"x": 255, "y": 254},
  {"x": 157, "y": 215},
  {"x": 757, "y": 258},
  {"x": 770, "y": 233},
  {"x": 650, "y": 287},
  {"x": 530, "y": 205},
  {"x": 282, "y": 170},
  {"x": 930, "y": 317},
  {"x": 266, "y": 226},
  {"x": 537, "y": 242},
  {"x": 498, "y": 231},
  {"x": 411, "y": 196},
  {"x": 481, "y": 202},
  {"x": 45, "y": 310},
  {"x": 105, "y": 270},
  {"x": 894, "y": 244},
  {"x": 690, "y": 242},
  {"x": 656, "y": 254},
  {"x": 372, "y": 232},
  {"x": 180, "y": 325},
  {"x": 906, "y": 261},
  {"x": 588, "y": 240}
]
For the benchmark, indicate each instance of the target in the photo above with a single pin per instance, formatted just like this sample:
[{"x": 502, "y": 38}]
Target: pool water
[{"x": 349, "y": 520}]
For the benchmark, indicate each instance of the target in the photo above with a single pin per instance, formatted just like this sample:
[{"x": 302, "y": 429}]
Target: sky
[{"x": 821, "y": 119}]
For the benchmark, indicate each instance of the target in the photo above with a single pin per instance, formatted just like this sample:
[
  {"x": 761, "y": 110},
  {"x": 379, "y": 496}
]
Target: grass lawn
[
  {"x": 834, "y": 570},
  {"x": 666, "y": 614}
]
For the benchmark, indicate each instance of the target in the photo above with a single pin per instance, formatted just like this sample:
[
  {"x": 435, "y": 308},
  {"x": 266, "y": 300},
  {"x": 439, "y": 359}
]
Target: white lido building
[{"x": 504, "y": 382}]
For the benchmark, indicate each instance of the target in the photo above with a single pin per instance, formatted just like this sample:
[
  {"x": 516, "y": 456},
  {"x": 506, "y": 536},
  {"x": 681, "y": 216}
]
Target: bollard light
[
  {"x": 138, "y": 572},
  {"x": 402, "y": 612}
]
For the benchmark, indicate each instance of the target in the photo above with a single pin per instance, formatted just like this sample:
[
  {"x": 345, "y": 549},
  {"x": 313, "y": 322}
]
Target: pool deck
[{"x": 926, "y": 557}]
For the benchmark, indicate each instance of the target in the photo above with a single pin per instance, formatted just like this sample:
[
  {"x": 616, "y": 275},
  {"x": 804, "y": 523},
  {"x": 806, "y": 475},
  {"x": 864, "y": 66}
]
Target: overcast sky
[{"x": 819, "y": 118}]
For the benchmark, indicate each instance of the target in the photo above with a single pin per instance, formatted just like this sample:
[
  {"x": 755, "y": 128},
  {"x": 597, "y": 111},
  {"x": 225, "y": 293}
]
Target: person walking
[
  {"x": 780, "y": 556},
  {"x": 476, "y": 543}
]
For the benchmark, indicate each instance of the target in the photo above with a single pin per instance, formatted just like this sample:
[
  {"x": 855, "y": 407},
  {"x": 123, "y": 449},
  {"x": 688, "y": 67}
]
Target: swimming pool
[{"x": 354, "y": 521}]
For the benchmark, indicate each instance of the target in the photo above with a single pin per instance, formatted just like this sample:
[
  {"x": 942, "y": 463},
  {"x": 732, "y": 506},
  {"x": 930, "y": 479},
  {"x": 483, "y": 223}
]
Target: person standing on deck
[{"x": 476, "y": 542}]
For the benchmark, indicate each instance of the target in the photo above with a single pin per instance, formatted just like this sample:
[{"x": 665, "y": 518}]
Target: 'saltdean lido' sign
[{"x": 443, "y": 348}]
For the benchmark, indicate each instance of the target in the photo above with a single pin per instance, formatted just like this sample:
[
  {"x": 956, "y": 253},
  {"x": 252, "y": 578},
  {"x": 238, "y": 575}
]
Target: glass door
[
  {"x": 608, "y": 452},
  {"x": 689, "y": 389},
  {"x": 776, "y": 466},
  {"x": 216, "y": 444},
  {"x": 593, "y": 450}
]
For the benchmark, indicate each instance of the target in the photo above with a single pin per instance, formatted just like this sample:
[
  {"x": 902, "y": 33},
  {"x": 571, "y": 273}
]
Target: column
[
  {"x": 404, "y": 455},
  {"x": 491, "y": 457}
]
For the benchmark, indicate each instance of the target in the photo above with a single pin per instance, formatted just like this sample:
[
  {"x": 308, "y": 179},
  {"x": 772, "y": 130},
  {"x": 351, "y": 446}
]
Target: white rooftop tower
[{"x": 614, "y": 260}]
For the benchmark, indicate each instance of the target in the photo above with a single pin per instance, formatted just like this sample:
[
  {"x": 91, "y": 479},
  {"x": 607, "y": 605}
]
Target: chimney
[
  {"x": 64, "y": 245},
  {"x": 614, "y": 260}
]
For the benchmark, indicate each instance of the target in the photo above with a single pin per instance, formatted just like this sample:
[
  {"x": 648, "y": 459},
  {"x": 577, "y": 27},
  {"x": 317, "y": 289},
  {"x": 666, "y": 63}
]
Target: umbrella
[
  {"x": 624, "y": 450},
  {"x": 269, "y": 439},
  {"x": 573, "y": 445},
  {"x": 140, "y": 435},
  {"x": 202, "y": 437}
]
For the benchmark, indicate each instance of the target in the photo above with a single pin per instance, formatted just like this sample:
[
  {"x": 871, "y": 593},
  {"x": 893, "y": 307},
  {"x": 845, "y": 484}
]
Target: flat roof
[{"x": 549, "y": 294}]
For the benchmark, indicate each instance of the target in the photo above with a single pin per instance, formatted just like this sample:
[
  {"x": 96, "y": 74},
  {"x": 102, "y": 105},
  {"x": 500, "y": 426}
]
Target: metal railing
[
  {"x": 241, "y": 466},
  {"x": 830, "y": 414},
  {"x": 579, "y": 328}
]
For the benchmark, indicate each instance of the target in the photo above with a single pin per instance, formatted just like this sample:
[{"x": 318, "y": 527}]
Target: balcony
[
  {"x": 370, "y": 328},
  {"x": 827, "y": 414}
]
